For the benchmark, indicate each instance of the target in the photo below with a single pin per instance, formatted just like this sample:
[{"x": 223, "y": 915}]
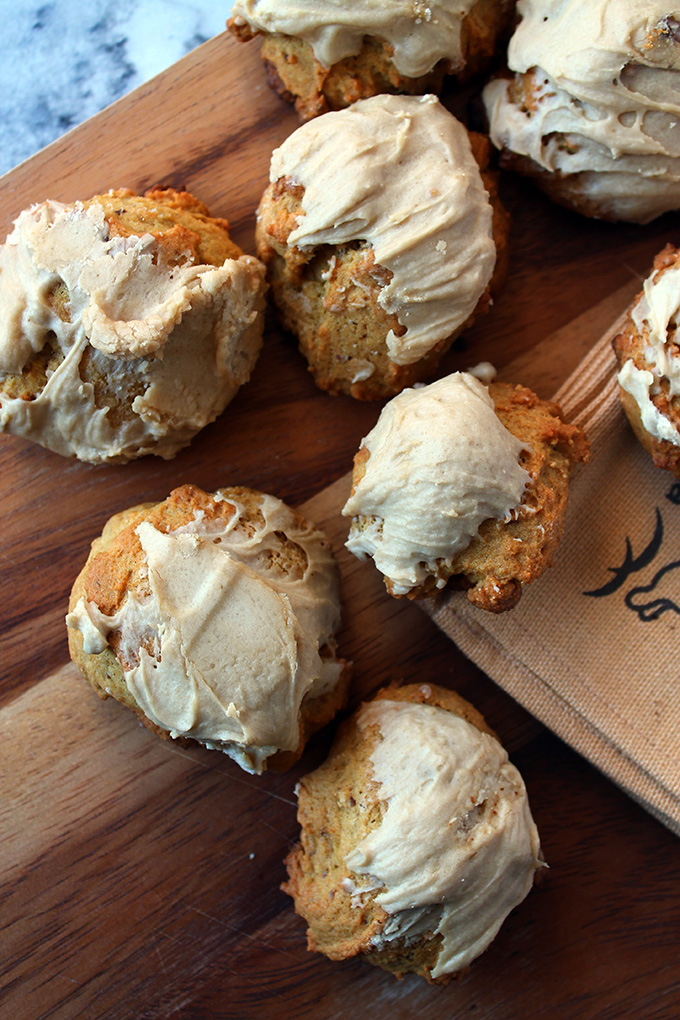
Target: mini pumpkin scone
[
  {"x": 127, "y": 323},
  {"x": 590, "y": 112},
  {"x": 326, "y": 54},
  {"x": 382, "y": 240},
  {"x": 416, "y": 837},
  {"x": 464, "y": 484},
  {"x": 213, "y": 617},
  {"x": 648, "y": 352}
]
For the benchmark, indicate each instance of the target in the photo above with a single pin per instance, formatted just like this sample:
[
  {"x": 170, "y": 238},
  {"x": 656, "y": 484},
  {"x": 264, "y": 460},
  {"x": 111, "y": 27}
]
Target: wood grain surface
[{"x": 141, "y": 879}]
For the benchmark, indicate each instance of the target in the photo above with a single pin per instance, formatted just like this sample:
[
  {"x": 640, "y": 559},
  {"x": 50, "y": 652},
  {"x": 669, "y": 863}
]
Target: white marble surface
[{"x": 64, "y": 60}]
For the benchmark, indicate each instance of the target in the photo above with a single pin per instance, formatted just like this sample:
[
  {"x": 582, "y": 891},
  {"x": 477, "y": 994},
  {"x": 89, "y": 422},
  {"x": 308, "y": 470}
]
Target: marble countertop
[{"x": 64, "y": 60}]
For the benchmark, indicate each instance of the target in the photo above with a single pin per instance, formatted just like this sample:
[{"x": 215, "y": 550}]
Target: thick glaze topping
[
  {"x": 172, "y": 343},
  {"x": 457, "y": 848},
  {"x": 228, "y": 641},
  {"x": 421, "y": 33},
  {"x": 440, "y": 463},
  {"x": 398, "y": 172},
  {"x": 605, "y": 99}
]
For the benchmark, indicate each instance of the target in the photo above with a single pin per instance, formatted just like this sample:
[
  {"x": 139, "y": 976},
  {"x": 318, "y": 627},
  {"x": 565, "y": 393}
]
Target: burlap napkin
[{"x": 592, "y": 648}]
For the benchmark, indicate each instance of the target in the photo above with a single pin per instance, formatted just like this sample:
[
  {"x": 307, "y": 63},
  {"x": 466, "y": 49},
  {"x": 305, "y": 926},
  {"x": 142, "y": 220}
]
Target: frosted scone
[
  {"x": 327, "y": 54},
  {"x": 416, "y": 837},
  {"x": 592, "y": 113},
  {"x": 212, "y": 616},
  {"x": 381, "y": 241},
  {"x": 648, "y": 353},
  {"x": 127, "y": 323},
  {"x": 465, "y": 484}
]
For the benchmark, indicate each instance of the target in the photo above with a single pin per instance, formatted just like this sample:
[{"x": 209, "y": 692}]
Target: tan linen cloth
[{"x": 592, "y": 648}]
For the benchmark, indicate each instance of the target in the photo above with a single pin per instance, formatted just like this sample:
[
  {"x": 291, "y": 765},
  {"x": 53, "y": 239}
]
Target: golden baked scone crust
[
  {"x": 507, "y": 555},
  {"x": 181, "y": 224},
  {"x": 116, "y": 568},
  {"x": 297, "y": 77}
]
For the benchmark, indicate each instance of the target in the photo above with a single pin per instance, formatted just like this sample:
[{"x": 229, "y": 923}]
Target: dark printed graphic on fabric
[{"x": 662, "y": 593}]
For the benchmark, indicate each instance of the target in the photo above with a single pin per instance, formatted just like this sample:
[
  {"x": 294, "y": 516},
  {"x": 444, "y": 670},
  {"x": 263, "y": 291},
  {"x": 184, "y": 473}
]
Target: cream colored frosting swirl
[
  {"x": 228, "y": 644},
  {"x": 607, "y": 83},
  {"x": 457, "y": 848},
  {"x": 174, "y": 343},
  {"x": 441, "y": 462},
  {"x": 398, "y": 172},
  {"x": 656, "y": 315},
  {"x": 421, "y": 32}
]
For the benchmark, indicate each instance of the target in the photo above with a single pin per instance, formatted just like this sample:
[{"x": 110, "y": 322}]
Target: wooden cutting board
[{"x": 141, "y": 879}]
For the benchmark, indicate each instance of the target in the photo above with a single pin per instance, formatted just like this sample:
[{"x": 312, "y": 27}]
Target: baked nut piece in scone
[
  {"x": 648, "y": 352},
  {"x": 127, "y": 323},
  {"x": 463, "y": 483},
  {"x": 382, "y": 239},
  {"x": 592, "y": 113},
  {"x": 212, "y": 616},
  {"x": 416, "y": 837},
  {"x": 326, "y": 54}
]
